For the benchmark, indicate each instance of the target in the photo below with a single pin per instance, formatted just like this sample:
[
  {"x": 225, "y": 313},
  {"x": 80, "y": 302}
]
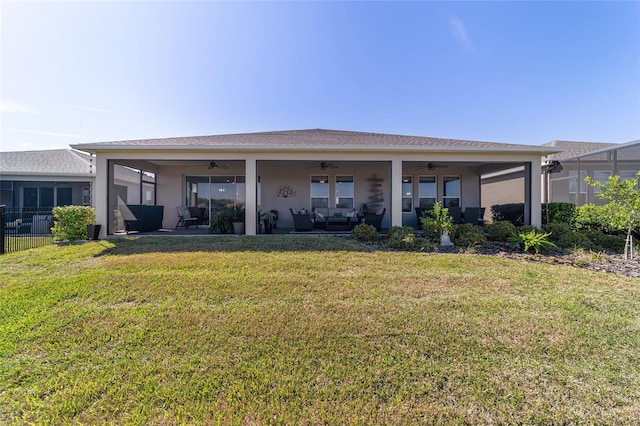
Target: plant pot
[
  {"x": 268, "y": 229},
  {"x": 93, "y": 232},
  {"x": 238, "y": 227},
  {"x": 445, "y": 240}
]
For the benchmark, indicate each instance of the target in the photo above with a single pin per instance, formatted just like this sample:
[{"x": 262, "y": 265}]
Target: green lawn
[{"x": 308, "y": 330}]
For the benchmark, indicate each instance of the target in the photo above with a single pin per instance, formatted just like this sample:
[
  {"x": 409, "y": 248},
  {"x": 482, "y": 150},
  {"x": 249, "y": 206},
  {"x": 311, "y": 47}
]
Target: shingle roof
[
  {"x": 574, "y": 148},
  {"x": 65, "y": 162},
  {"x": 303, "y": 138}
]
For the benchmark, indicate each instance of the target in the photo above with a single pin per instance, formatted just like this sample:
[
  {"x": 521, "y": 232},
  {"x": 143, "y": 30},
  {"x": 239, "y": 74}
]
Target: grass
[{"x": 307, "y": 330}]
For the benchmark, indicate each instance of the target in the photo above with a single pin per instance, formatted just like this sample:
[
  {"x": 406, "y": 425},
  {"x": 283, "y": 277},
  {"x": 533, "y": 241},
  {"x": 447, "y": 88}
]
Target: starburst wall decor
[{"x": 286, "y": 191}]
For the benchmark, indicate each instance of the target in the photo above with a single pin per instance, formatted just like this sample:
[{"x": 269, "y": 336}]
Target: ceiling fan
[
  {"x": 433, "y": 166},
  {"x": 213, "y": 165},
  {"x": 325, "y": 165}
]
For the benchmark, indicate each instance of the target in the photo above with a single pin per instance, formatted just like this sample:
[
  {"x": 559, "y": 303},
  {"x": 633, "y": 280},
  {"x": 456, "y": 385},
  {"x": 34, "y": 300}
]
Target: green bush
[
  {"x": 402, "y": 238},
  {"x": 558, "y": 213},
  {"x": 602, "y": 241},
  {"x": 524, "y": 229},
  {"x": 70, "y": 222},
  {"x": 365, "y": 233},
  {"x": 563, "y": 236},
  {"x": 500, "y": 231},
  {"x": 592, "y": 218},
  {"x": 468, "y": 235},
  {"x": 513, "y": 213}
]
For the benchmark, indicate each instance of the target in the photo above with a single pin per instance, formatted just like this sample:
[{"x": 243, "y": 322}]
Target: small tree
[{"x": 623, "y": 210}]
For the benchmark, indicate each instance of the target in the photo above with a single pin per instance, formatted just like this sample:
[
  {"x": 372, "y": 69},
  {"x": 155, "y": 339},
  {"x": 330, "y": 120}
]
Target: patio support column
[
  {"x": 251, "y": 208},
  {"x": 396, "y": 192},
  {"x": 100, "y": 194},
  {"x": 533, "y": 193}
]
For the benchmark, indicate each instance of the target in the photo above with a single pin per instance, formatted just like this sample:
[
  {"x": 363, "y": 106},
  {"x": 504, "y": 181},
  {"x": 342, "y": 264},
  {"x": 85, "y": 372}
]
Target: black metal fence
[{"x": 24, "y": 228}]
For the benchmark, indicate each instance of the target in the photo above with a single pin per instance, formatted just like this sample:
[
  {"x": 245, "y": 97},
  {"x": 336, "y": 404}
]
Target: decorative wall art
[{"x": 285, "y": 191}]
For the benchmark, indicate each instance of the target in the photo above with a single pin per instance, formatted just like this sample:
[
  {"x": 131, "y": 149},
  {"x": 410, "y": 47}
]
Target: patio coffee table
[{"x": 338, "y": 223}]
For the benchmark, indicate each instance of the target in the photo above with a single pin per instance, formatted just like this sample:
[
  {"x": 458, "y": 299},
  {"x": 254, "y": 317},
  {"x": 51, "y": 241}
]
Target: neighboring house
[
  {"x": 600, "y": 163},
  {"x": 505, "y": 186},
  {"x": 304, "y": 169},
  {"x": 45, "y": 179}
]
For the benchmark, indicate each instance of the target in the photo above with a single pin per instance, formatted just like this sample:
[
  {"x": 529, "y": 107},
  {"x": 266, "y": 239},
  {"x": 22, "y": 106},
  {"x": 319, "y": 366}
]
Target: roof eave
[{"x": 537, "y": 150}]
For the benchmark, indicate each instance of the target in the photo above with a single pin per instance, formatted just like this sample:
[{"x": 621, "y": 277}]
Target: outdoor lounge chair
[
  {"x": 185, "y": 220},
  {"x": 474, "y": 215},
  {"x": 375, "y": 219},
  {"x": 301, "y": 221},
  {"x": 456, "y": 214}
]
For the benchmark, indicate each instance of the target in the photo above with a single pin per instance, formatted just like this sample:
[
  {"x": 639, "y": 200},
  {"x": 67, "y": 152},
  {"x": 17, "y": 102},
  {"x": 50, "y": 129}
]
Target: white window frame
[
  {"x": 407, "y": 193},
  {"x": 422, "y": 195},
  {"x": 320, "y": 179},
  {"x": 446, "y": 197},
  {"x": 338, "y": 197},
  {"x": 583, "y": 185}
]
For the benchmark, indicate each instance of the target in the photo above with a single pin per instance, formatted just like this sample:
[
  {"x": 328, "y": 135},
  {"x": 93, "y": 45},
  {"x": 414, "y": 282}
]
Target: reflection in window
[
  {"x": 573, "y": 181},
  {"x": 451, "y": 191},
  {"x": 427, "y": 192},
  {"x": 319, "y": 192},
  {"x": 407, "y": 194},
  {"x": 344, "y": 192}
]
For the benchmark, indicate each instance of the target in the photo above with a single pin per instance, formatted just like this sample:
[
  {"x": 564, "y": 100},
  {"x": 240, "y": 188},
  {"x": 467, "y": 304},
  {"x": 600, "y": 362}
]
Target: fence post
[{"x": 2, "y": 225}]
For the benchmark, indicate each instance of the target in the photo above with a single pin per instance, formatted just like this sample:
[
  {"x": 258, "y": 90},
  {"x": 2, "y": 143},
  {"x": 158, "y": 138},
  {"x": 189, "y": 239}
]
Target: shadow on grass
[{"x": 273, "y": 243}]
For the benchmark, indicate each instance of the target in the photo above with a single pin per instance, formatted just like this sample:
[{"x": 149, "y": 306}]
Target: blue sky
[{"x": 516, "y": 72}]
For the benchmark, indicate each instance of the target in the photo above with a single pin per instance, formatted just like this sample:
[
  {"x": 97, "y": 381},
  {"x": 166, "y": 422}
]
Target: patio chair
[
  {"x": 185, "y": 220},
  {"x": 375, "y": 219},
  {"x": 456, "y": 214},
  {"x": 474, "y": 215},
  {"x": 301, "y": 221}
]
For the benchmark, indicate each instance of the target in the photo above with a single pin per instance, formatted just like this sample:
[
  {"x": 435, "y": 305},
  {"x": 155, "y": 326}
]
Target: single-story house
[
  {"x": 40, "y": 180},
  {"x": 307, "y": 170}
]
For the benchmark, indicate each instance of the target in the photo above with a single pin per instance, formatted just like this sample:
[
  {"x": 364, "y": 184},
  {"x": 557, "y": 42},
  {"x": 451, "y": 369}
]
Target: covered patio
[{"x": 307, "y": 170}]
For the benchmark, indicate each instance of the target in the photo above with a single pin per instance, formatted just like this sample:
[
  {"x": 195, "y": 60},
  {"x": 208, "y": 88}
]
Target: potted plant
[
  {"x": 269, "y": 221},
  {"x": 238, "y": 220},
  {"x": 439, "y": 223},
  {"x": 221, "y": 222}
]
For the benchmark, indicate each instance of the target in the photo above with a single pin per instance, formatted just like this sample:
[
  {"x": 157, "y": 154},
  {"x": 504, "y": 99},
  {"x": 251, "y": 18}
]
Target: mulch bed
[{"x": 601, "y": 262}]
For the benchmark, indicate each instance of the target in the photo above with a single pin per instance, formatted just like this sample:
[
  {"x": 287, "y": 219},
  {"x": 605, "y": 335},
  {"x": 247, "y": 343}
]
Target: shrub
[
  {"x": 513, "y": 213},
  {"x": 402, "y": 238},
  {"x": 558, "y": 213},
  {"x": 563, "y": 236},
  {"x": 602, "y": 241},
  {"x": 500, "y": 231},
  {"x": 365, "y": 233},
  {"x": 468, "y": 235},
  {"x": 592, "y": 218},
  {"x": 533, "y": 240},
  {"x": 523, "y": 229},
  {"x": 70, "y": 222}
]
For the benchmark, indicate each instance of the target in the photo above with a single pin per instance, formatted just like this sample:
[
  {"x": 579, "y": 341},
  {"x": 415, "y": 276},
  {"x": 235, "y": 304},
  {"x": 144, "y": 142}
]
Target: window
[
  {"x": 344, "y": 192},
  {"x": 451, "y": 191},
  {"x": 427, "y": 192},
  {"x": 30, "y": 197},
  {"x": 319, "y": 192},
  {"x": 214, "y": 193},
  {"x": 86, "y": 196},
  {"x": 64, "y": 197},
  {"x": 46, "y": 197},
  {"x": 573, "y": 181},
  {"x": 602, "y": 177},
  {"x": 407, "y": 194}
]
